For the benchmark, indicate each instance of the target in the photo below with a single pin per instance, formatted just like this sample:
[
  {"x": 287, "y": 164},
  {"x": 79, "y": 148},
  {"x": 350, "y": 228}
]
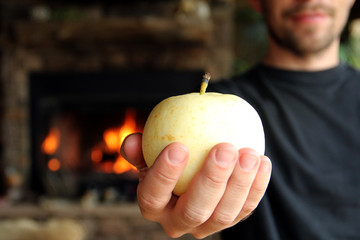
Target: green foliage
[
  {"x": 250, "y": 39},
  {"x": 66, "y": 14},
  {"x": 350, "y": 52}
]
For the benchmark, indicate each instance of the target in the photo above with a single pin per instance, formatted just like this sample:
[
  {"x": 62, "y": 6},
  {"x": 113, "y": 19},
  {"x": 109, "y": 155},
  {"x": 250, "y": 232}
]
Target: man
[{"x": 310, "y": 107}]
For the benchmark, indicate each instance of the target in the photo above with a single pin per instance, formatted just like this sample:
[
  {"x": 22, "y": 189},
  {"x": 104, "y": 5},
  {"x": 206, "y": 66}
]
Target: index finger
[
  {"x": 155, "y": 189},
  {"x": 206, "y": 189}
]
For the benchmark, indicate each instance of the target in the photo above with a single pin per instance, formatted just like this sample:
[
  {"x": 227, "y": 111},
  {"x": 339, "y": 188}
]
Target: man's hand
[{"x": 227, "y": 189}]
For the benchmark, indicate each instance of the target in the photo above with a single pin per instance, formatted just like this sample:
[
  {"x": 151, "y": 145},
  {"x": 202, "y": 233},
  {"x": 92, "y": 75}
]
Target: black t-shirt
[{"x": 312, "y": 129}]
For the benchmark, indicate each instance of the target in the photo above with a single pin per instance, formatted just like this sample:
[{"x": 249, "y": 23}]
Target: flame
[
  {"x": 110, "y": 147},
  {"x": 51, "y": 142},
  {"x": 114, "y": 137},
  {"x": 54, "y": 164},
  {"x": 111, "y": 139},
  {"x": 121, "y": 166}
]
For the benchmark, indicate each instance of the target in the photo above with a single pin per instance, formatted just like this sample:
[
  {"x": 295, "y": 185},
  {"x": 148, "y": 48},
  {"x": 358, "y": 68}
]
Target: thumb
[{"x": 131, "y": 150}]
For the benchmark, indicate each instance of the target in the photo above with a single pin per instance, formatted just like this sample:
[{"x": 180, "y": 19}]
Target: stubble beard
[
  {"x": 306, "y": 42},
  {"x": 302, "y": 45}
]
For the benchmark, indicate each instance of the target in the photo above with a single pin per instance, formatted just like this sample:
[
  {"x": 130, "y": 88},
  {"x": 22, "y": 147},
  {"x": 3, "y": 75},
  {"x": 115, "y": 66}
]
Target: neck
[{"x": 280, "y": 57}]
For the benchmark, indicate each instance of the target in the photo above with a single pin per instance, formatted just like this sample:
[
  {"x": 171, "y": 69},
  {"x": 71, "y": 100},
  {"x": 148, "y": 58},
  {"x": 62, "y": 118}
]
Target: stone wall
[{"x": 59, "y": 221}]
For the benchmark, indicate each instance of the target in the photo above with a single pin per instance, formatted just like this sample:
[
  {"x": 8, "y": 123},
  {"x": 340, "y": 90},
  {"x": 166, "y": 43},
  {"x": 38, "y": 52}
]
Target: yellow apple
[{"x": 200, "y": 121}]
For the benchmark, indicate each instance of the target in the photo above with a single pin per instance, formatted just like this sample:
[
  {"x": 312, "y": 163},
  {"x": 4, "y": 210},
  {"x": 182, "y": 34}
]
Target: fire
[
  {"x": 105, "y": 156},
  {"x": 107, "y": 167},
  {"x": 51, "y": 142},
  {"x": 54, "y": 164},
  {"x": 96, "y": 155},
  {"x": 113, "y": 138}
]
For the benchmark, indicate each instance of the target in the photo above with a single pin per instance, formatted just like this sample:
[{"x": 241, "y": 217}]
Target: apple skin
[{"x": 200, "y": 122}]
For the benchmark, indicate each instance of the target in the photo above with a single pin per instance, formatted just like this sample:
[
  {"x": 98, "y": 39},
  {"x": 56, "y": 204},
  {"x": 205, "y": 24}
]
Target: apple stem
[{"x": 204, "y": 83}]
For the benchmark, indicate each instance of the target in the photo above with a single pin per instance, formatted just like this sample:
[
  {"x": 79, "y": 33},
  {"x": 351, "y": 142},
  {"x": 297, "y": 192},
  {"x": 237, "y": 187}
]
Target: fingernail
[
  {"x": 248, "y": 162},
  {"x": 225, "y": 156},
  {"x": 177, "y": 154},
  {"x": 122, "y": 150},
  {"x": 265, "y": 165}
]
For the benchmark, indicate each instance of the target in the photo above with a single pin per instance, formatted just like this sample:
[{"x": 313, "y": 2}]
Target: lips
[
  {"x": 309, "y": 13},
  {"x": 308, "y": 17}
]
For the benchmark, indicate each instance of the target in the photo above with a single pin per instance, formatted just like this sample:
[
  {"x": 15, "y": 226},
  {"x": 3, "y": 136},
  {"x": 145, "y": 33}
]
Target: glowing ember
[
  {"x": 54, "y": 164},
  {"x": 96, "y": 155},
  {"x": 107, "y": 167},
  {"x": 51, "y": 142}
]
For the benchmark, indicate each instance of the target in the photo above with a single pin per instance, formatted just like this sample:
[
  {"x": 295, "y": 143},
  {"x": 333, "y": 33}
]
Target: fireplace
[
  {"x": 73, "y": 72},
  {"x": 79, "y": 120}
]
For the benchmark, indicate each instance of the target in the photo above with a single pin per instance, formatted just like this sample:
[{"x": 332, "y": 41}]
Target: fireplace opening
[{"x": 79, "y": 120}]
